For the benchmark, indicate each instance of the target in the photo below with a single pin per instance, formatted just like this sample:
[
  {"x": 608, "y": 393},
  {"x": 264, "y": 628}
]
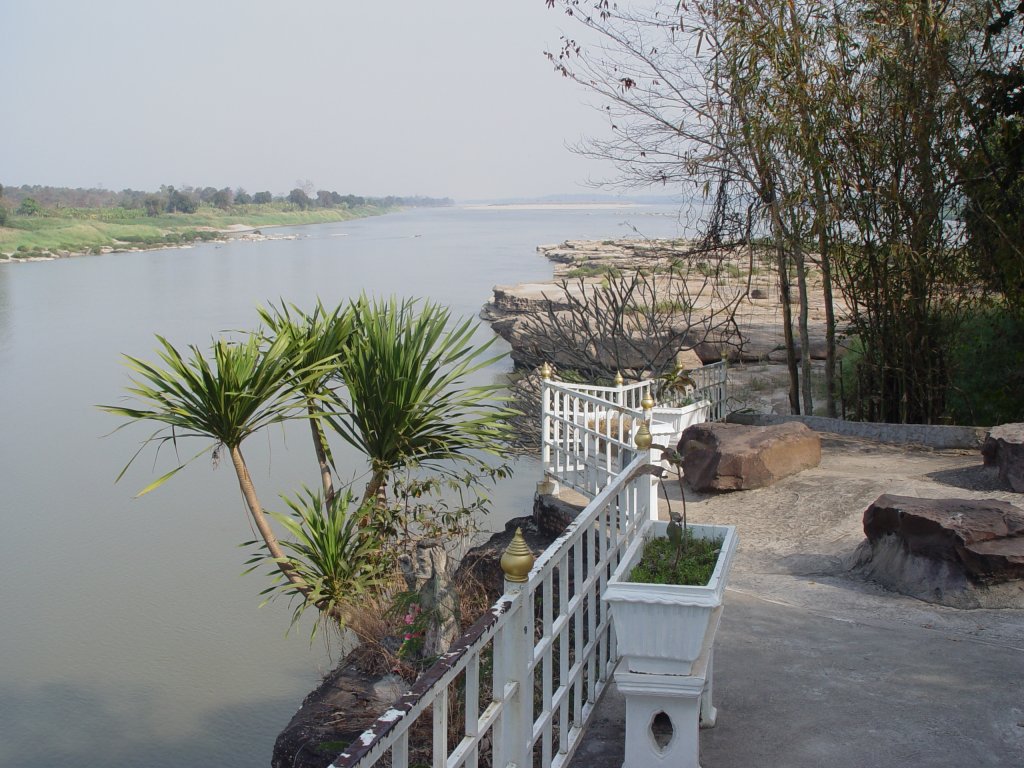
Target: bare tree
[{"x": 638, "y": 321}]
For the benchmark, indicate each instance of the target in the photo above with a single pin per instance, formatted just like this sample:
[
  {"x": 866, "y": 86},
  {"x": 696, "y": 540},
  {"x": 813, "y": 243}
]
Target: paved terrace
[{"x": 816, "y": 668}]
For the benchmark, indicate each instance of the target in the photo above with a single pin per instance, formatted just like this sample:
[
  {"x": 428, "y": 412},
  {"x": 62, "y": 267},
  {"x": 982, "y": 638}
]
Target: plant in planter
[
  {"x": 665, "y": 634},
  {"x": 661, "y": 624},
  {"x": 661, "y": 628}
]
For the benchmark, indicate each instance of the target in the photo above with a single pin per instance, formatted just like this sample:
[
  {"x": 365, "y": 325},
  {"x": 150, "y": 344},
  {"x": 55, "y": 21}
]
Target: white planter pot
[{"x": 661, "y": 628}]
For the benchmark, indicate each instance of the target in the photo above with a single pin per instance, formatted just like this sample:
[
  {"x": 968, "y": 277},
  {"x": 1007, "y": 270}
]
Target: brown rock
[
  {"x": 346, "y": 703},
  {"x": 737, "y": 457},
  {"x": 1004, "y": 448},
  {"x": 984, "y": 538}
]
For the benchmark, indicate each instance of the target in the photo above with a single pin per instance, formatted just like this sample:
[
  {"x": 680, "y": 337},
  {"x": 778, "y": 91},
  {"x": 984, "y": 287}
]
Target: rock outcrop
[
  {"x": 1004, "y": 448},
  {"x": 344, "y": 705},
  {"x": 352, "y": 696},
  {"x": 967, "y": 553},
  {"x": 736, "y": 457},
  {"x": 581, "y": 267}
]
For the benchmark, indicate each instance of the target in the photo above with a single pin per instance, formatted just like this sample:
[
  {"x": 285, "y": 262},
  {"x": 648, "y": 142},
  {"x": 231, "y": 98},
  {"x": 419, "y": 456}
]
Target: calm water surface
[{"x": 127, "y": 634}]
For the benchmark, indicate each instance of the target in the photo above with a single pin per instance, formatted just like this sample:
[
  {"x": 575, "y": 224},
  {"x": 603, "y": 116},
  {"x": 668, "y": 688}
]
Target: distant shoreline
[
  {"x": 550, "y": 206},
  {"x": 117, "y": 237}
]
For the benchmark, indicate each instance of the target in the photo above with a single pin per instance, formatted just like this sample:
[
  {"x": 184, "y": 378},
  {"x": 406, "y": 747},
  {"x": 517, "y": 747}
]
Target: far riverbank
[{"x": 97, "y": 231}]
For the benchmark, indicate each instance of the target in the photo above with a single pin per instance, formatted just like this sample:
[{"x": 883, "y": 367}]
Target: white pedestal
[
  {"x": 684, "y": 699},
  {"x": 547, "y": 487}
]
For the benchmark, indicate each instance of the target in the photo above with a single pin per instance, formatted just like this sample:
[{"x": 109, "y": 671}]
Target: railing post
[
  {"x": 547, "y": 484},
  {"x": 648, "y": 500},
  {"x": 513, "y": 747},
  {"x": 723, "y": 391}
]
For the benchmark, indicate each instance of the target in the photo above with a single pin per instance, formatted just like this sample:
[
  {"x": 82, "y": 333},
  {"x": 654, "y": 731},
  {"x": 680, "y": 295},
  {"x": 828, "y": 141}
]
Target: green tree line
[{"x": 186, "y": 199}]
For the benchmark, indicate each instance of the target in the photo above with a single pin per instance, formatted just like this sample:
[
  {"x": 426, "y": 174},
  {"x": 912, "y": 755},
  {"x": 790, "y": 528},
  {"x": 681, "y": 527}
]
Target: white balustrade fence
[
  {"x": 520, "y": 685},
  {"x": 710, "y": 385},
  {"x": 587, "y": 431}
]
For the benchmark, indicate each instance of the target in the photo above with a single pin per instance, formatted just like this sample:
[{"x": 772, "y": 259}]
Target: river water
[{"x": 127, "y": 634}]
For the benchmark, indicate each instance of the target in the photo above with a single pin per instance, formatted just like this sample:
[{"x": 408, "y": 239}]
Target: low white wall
[{"x": 930, "y": 435}]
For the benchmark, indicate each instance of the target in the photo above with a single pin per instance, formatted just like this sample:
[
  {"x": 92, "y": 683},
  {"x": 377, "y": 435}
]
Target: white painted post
[
  {"x": 547, "y": 485},
  {"x": 675, "y": 696},
  {"x": 517, "y": 655},
  {"x": 650, "y": 495},
  {"x": 684, "y": 699},
  {"x": 649, "y": 500}
]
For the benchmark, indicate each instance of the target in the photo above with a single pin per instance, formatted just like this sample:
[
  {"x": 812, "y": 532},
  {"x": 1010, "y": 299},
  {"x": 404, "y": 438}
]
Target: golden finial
[
  {"x": 643, "y": 437},
  {"x": 545, "y": 371},
  {"x": 648, "y": 402},
  {"x": 517, "y": 560},
  {"x": 619, "y": 381}
]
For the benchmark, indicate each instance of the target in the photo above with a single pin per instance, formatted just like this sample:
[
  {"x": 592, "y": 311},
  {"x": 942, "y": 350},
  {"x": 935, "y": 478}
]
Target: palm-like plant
[
  {"x": 336, "y": 558},
  {"x": 408, "y": 403},
  {"x": 314, "y": 341},
  {"x": 248, "y": 385},
  {"x": 408, "y": 407}
]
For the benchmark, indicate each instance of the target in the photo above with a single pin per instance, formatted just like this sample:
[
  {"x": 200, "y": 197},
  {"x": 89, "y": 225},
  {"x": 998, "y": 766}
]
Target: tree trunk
[
  {"x": 256, "y": 510},
  {"x": 787, "y": 320},
  {"x": 376, "y": 488},
  {"x": 830, "y": 324},
  {"x": 805, "y": 341},
  {"x": 319, "y": 443}
]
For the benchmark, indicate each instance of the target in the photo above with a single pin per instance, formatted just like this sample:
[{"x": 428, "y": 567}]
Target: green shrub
[
  {"x": 593, "y": 270},
  {"x": 29, "y": 207},
  {"x": 987, "y": 362}
]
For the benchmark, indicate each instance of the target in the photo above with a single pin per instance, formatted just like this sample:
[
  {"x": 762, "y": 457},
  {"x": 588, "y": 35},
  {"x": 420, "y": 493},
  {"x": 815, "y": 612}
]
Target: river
[{"x": 127, "y": 634}]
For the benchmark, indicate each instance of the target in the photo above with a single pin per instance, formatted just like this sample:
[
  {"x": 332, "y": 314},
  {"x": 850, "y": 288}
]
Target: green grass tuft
[{"x": 695, "y": 565}]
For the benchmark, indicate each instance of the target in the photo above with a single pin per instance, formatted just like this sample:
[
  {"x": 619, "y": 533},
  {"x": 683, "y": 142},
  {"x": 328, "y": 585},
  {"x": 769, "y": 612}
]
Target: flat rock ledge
[
  {"x": 516, "y": 309},
  {"x": 1004, "y": 448},
  {"x": 965, "y": 553},
  {"x": 737, "y": 457}
]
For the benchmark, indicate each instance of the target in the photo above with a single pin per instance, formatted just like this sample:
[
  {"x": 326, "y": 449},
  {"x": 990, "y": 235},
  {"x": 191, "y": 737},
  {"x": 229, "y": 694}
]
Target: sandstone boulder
[
  {"x": 1004, "y": 448},
  {"x": 737, "y": 457},
  {"x": 962, "y": 552}
]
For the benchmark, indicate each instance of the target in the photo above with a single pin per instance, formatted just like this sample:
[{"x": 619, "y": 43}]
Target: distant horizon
[{"x": 554, "y": 197}]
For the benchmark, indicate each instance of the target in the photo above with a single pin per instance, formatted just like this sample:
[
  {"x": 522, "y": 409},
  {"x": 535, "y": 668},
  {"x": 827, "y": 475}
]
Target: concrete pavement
[
  {"x": 800, "y": 689},
  {"x": 816, "y": 668}
]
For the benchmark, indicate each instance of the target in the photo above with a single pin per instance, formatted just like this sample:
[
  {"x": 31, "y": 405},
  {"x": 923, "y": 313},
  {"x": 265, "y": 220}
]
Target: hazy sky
[{"x": 432, "y": 97}]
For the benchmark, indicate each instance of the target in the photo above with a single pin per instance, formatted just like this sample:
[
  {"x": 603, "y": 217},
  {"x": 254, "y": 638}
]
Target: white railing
[
  {"x": 587, "y": 431},
  {"x": 709, "y": 383},
  {"x": 520, "y": 685}
]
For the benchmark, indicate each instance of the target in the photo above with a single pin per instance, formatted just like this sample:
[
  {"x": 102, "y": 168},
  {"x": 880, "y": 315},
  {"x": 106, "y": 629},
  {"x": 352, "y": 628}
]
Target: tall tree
[{"x": 408, "y": 407}]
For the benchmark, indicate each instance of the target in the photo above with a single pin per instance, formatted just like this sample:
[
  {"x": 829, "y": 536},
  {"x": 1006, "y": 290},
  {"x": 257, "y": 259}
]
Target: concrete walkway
[
  {"x": 815, "y": 668},
  {"x": 798, "y": 689}
]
